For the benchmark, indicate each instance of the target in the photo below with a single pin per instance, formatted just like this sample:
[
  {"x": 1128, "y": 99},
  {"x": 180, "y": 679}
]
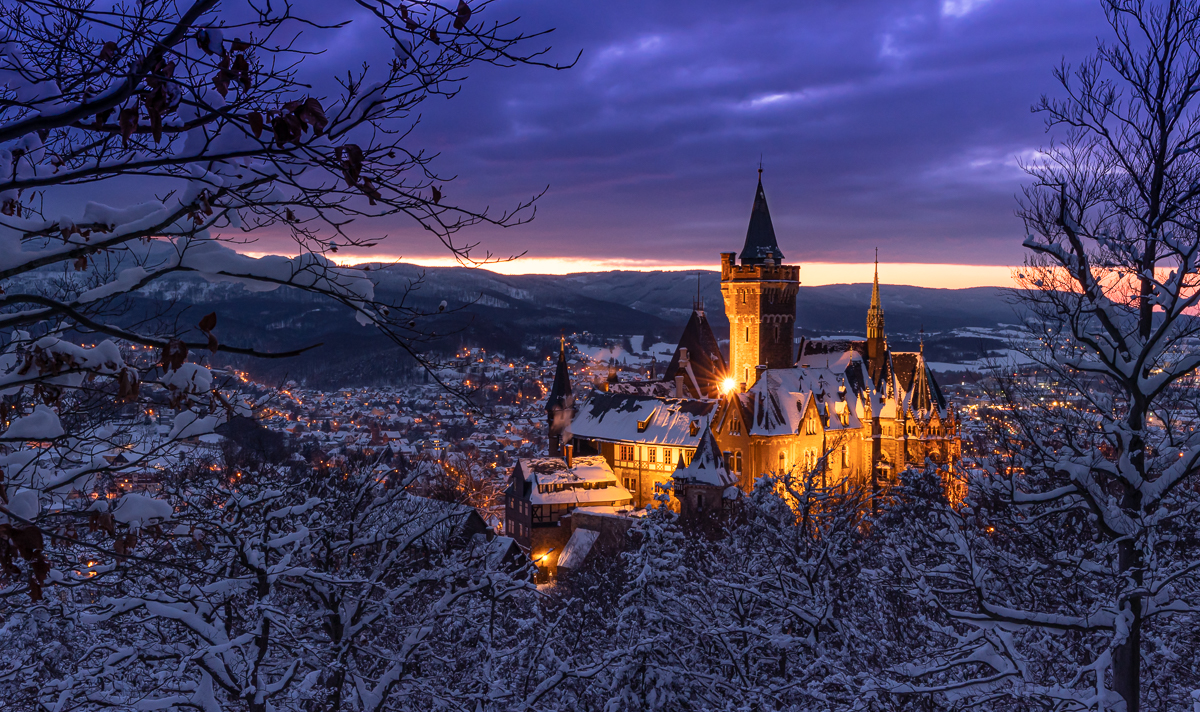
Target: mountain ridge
[{"x": 512, "y": 312}]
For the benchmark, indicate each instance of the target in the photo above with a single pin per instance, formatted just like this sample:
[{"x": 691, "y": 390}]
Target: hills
[{"x": 506, "y": 313}]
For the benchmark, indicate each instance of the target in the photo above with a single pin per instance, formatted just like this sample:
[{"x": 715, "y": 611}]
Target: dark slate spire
[
  {"x": 560, "y": 406},
  {"x": 560, "y": 393},
  {"x": 705, "y": 359},
  {"x": 760, "y": 235}
]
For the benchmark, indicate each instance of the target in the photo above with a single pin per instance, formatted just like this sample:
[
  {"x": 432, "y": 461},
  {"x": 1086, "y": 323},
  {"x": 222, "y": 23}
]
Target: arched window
[
  {"x": 782, "y": 461},
  {"x": 737, "y": 461},
  {"x": 845, "y": 456}
]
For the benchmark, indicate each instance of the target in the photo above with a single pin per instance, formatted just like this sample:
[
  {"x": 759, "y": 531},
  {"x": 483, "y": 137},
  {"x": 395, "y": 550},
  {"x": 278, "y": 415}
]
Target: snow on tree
[
  {"x": 1072, "y": 574},
  {"x": 146, "y": 140}
]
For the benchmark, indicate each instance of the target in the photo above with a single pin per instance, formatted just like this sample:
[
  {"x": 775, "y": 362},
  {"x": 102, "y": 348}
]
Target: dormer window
[{"x": 643, "y": 424}]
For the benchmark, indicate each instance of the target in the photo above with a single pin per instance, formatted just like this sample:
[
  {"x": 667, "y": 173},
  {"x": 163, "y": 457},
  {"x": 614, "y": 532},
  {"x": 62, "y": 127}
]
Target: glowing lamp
[{"x": 728, "y": 385}]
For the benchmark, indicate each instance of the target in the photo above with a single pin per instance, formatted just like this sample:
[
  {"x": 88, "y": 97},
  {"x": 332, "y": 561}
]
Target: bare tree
[
  {"x": 142, "y": 141},
  {"x": 1081, "y": 542}
]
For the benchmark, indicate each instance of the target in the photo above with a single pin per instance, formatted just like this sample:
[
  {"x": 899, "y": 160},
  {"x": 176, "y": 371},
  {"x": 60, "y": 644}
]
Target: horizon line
[{"x": 813, "y": 274}]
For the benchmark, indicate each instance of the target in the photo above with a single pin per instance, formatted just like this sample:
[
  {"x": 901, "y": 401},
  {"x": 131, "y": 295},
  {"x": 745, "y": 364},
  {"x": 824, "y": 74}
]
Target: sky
[{"x": 896, "y": 124}]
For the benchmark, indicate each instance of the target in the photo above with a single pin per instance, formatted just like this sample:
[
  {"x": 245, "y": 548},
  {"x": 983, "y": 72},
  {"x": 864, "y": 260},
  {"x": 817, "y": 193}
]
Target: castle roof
[
  {"x": 620, "y": 417},
  {"x": 916, "y": 383},
  {"x": 779, "y": 401},
  {"x": 707, "y": 466},
  {"x": 761, "y": 244},
  {"x": 706, "y": 364}
]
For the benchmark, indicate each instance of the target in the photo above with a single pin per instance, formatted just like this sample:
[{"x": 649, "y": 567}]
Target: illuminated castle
[{"x": 848, "y": 411}]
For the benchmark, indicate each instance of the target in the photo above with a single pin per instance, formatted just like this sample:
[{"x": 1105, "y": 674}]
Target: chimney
[
  {"x": 679, "y": 386},
  {"x": 568, "y": 455},
  {"x": 759, "y": 370}
]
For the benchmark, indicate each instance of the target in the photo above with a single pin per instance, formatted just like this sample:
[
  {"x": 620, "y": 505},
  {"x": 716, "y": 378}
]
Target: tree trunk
[{"x": 1127, "y": 658}]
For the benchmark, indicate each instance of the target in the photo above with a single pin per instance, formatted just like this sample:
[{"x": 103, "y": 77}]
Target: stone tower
[{"x": 760, "y": 298}]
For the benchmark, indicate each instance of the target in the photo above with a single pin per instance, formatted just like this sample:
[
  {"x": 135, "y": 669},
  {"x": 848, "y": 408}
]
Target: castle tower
[
  {"x": 876, "y": 337},
  {"x": 760, "y": 298},
  {"x": 560, "y": 406},
  {"x": 876, "y": 340}
]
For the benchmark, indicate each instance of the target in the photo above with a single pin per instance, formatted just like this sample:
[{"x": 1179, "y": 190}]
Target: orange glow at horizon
[{"x": 812, "y": 274}]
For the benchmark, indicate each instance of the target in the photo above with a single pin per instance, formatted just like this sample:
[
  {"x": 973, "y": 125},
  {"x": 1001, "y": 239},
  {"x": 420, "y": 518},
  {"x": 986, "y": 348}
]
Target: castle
[{"x": 848, "y": 411}]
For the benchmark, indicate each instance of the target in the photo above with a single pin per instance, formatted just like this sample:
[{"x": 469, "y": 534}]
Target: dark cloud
[{"x": 886, "y": 122}]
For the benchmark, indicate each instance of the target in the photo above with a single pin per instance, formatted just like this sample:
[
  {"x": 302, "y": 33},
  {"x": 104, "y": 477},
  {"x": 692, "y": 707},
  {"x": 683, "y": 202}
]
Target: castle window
[
  {"x": 667, "y": 456},
  {"x": 737, "y": 461},
  {"x": 845, "y": 456},
  {"x": 699, "y": 503},
  {"x": 735, "y": 427},
  {"x": 652, "y": 454},
  {"x": 747, "y": 334},
  {"x": 782, "y": 461},
  {"x": 626, "y": 453}
]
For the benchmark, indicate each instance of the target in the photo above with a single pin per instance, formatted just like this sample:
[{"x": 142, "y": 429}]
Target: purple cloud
[{"x": 880, "y": 122}]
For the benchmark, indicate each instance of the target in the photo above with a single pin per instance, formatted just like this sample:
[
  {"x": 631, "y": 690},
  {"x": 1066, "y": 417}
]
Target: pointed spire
[
  {"x": 875, "y": 288},
  {"x": 761, "y": 244},
  {"x": 876, "y": 341},
  {"x": 875, "y": 311},
  {"x": 705, "y": 363},
  {"x": 560, "y": 393}
]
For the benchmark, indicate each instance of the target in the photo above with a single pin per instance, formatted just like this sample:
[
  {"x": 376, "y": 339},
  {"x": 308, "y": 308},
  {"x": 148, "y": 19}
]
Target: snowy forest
[{"x": 146, "y": 139}]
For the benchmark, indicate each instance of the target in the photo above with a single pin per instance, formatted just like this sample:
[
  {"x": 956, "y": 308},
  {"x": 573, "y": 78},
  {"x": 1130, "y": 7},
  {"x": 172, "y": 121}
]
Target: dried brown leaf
[{"x": 462, "y": 15}]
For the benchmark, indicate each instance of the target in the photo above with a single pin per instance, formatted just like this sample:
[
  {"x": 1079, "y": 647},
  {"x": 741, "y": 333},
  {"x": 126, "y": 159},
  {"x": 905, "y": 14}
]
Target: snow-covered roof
[
  {"x": 617, "y": 417},
  {"x": 576, "y": 495},
  {"x": 577, "y": 548},
  {"x": 707, "y": 465},
  {"x": 589, "y": 480},
  {"x": 554, "y": 471},
  {"x": 780, "y": 400}
]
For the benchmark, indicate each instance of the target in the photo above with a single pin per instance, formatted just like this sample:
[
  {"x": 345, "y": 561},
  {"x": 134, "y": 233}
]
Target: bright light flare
[{"x": 728, "y": 385}]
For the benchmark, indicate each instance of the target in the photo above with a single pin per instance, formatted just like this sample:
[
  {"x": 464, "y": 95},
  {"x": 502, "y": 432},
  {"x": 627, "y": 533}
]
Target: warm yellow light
[{"x": 728, "y": 385}]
